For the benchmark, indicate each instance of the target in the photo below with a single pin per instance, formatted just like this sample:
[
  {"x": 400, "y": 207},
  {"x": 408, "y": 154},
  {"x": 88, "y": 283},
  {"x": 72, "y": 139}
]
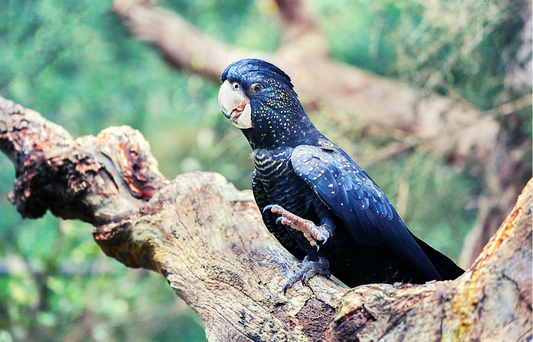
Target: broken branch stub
[{"x": 94, "y": 179}]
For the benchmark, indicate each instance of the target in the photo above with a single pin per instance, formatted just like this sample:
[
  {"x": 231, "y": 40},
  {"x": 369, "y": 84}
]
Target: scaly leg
[
  {"x": 309, "y": 269},
  {"x": 312, "y": 232}
]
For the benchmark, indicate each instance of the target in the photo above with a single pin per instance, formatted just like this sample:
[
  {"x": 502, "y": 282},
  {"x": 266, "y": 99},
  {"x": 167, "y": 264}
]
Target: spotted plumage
[{"x": 314, "y": 198}]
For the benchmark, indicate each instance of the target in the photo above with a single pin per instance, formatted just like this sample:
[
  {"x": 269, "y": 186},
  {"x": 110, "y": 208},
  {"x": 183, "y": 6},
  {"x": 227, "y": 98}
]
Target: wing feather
[{"x": 360, "y": 204}]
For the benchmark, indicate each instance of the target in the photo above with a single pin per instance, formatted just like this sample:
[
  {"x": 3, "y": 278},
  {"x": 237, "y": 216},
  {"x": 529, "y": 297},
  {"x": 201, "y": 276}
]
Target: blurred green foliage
[{"x": 76, "y": 64}]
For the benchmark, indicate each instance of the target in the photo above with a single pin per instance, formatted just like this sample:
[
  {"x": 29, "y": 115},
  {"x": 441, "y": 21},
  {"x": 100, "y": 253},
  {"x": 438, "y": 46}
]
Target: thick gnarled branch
[
  {"x": 207, "y": 239},
  {"x": 93, "y": 179}
]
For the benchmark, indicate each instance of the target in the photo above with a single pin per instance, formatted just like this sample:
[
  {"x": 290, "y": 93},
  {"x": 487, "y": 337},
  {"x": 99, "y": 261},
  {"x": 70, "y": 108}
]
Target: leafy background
[{"x": 74, "y": 62}]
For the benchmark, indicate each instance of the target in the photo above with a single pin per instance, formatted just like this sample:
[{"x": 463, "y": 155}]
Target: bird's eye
[
  {"x": 235, "y": 86},
  {"x": 256, "y": 87}
]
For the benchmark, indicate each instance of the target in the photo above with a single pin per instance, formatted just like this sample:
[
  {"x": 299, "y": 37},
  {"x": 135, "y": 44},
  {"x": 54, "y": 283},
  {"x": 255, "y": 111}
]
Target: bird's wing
[{"x": 360, "y": 204}]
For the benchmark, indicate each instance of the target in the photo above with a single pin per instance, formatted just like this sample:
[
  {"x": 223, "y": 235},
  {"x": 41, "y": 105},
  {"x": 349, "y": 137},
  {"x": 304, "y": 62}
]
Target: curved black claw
[
  {"x": 309, "y": 269},
  {"x": 268, "y": 207}
]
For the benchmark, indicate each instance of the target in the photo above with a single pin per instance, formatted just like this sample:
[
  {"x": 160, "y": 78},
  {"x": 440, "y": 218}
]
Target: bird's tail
[{"x": 447, "y": 269}]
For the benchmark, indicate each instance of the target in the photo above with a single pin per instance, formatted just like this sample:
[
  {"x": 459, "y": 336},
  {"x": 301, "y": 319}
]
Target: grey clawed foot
[
  {"x": 312, "y": 232},
  {"x": 309, "y": 269}
]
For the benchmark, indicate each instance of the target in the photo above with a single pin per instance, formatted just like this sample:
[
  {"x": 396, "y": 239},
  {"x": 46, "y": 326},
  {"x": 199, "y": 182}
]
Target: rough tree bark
[
  {"x": 207, "y": 239},
  {"x": 445, "y": 127}
]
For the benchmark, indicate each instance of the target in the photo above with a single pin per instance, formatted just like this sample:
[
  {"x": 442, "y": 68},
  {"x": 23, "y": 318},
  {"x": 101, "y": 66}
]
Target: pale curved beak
[{"x": 235, "y": 105}]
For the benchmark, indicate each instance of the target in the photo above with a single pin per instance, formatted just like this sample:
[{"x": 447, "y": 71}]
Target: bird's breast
[
  {"x": 282, "y": 185},
  {"x": 271, "y": 164}
]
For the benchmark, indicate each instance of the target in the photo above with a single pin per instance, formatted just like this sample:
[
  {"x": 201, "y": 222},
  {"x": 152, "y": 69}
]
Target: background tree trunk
[
  {"x": 207, "y": 239},
  {"x": 446, "y": 127}
]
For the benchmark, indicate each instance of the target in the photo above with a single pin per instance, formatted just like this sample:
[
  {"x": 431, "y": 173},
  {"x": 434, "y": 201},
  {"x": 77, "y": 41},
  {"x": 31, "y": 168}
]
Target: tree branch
[
  {"x": 207, "y": 239},
  {"x": 320, "y": 81}
]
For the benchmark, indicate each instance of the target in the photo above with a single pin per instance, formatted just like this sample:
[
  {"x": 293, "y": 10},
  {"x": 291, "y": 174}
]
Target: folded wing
[{"x": 360, "y": 204}]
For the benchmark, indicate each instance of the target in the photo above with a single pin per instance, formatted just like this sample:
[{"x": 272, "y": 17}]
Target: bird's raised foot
[
  {"x": 309, "y": 269},
  {"x": 312, "y": 232}
]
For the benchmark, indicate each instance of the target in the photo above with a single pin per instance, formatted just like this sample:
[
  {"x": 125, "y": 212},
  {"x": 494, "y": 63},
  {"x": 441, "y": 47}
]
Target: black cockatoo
[{"x": 314, "y": 198}]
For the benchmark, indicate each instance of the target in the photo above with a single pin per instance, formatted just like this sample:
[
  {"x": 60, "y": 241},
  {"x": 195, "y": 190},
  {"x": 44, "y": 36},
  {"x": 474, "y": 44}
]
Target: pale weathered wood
[{"x": 207, "y": 239}]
